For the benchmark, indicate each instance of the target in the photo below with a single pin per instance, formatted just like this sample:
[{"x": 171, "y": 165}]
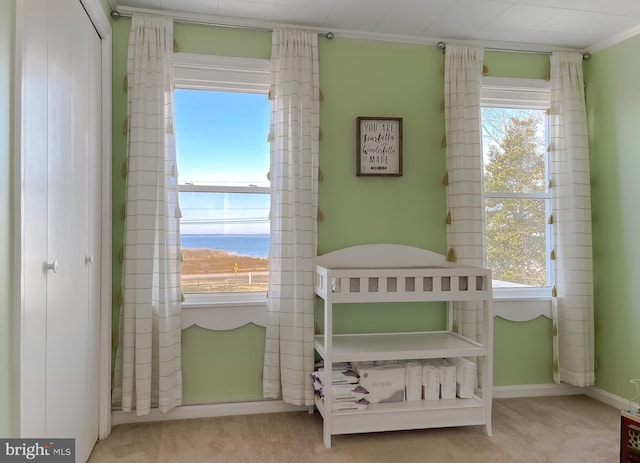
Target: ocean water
[{"x": 244, "y": 245}]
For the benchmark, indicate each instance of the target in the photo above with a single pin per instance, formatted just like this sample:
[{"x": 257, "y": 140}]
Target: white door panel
[
  {"x": 61, "y": 223},
  {"x": 67, "y": 225},
  {"x": 33, "y": 216},
  {"x": 93, "y": 257}
]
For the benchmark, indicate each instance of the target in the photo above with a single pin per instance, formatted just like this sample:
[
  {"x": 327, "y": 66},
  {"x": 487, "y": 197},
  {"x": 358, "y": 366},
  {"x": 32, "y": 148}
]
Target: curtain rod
[
  {"x": 193, "y": 20},
  {"x": 585, "y": 56}
]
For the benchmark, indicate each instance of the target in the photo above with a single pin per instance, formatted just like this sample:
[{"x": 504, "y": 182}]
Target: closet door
[
  {"x": 61, "y": 102},
  {"x": 71, "y": 306}
]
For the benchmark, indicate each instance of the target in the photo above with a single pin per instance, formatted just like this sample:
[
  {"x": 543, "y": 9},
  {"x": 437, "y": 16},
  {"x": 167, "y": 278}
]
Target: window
[
  {"x": 221, "y": 116},
  {"x": 516, "y": 182}
]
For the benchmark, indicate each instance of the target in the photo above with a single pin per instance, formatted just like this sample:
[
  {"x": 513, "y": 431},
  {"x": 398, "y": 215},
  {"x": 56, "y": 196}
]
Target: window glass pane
[
  {"x": 514, "y": 142},
  {"x": 516, "y": 242},
  {"x": 221, "y": 137},
  {"x": 225, "y": 242},
  {"x": 224, "y": 213},
  {"x": 221, "y": 142}
]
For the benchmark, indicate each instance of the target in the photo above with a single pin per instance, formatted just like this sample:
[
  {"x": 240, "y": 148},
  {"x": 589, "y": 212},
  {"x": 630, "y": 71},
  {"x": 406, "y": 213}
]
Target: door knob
[{"x": 52, "y": 266}]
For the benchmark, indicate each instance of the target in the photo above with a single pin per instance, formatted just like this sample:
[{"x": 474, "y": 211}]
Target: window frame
[
  {"x": 228, "y": 74},
  {"x": 519, "y": 93}
]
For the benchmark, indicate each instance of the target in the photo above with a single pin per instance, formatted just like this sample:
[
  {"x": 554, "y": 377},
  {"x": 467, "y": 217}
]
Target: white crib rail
[{"x": 402, "y": 284}]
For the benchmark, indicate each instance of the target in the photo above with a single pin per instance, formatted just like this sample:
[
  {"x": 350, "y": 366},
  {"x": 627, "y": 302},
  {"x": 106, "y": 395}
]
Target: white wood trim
[
  {"x": 278, "y": 406},
  {"x": 610, "y": 399},
  {"x": 18, "y": 162},
  {"x": 350, "y": 34},
  {"x": 515, "y": 92},
  {"x": 614, "y": 40},
  {"x": 103, "y": 27},
  {"x": 535, "y": 390},
  {"x": 98, "y": 17},
  {"x": 222, "y": 73},
  {"x": 548, "y": 390},
  {"x": 208, "y": 411},
  {"x": 224, "y": 318},
  {"x": 258, "y": 66},
  {"x": 104, "y": 428},
  {"x": 253, "y": 189},
  {"x": 521, "y": 310},
  {"x": 226, "y": 21}
]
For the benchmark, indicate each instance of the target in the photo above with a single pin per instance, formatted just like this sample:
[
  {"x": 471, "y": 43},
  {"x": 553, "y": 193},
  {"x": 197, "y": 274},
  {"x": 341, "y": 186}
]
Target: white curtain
[
  {"x": 148, "y": 371},
  {"x": 295, "y": 123},
  {"x": 465, "y": 191},
  {"x": 571, "y": 213}
]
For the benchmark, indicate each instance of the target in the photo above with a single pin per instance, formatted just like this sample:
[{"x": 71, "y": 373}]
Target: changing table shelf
[
  {"x": 397, "y": 416},
  {"x": 393, "y": 346},
  {"x": 396, "y": 274}
]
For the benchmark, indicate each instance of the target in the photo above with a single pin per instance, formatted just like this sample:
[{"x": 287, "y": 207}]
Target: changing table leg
[{"x": 326, "y": 433}]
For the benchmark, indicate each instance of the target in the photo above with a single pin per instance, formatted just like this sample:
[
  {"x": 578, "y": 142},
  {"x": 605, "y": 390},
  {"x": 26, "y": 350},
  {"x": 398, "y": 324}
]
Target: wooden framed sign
[{"x": 379, "y": 146}]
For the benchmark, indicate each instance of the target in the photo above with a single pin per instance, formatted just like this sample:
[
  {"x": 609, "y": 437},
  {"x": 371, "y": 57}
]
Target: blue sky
[{"x": 221, "y": 139}]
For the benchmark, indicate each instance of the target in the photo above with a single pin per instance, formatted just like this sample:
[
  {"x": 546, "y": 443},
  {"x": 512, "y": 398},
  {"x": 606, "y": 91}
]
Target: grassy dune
[{"x": 209, "y": 270}]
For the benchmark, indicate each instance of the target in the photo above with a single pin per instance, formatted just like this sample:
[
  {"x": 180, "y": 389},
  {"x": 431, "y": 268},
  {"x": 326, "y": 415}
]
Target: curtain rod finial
[
  {"x": 115, "y": 14},
  {"x": 586, "y": 56},
  {"x": 442, "y": 45}
]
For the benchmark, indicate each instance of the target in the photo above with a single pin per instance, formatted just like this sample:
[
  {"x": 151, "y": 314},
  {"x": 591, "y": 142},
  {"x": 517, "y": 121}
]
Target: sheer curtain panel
[
  {"x": 465, "y": 192},
  {"x": 148, "y": 365},
  {"x": 571, "y": 209},
  {"x": 295, "y": 124}
]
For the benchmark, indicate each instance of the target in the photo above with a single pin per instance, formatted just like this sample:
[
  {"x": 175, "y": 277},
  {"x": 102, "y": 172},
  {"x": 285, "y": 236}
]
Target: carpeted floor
[{"x": 565, "y": 429}]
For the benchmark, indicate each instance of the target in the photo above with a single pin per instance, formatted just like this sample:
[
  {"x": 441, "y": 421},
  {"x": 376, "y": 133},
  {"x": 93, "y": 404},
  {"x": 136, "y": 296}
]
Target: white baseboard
[
  {"x": 541, "y": 390},
  {"x": 207, "y": 411},
  {"x": 610, "y": 399},
  {"x": 535, "y": 390},
  {"x": 278, "y": 406}
]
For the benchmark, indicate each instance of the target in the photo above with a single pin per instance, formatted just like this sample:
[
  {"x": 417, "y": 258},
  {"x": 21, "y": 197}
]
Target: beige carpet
[{"x": 568, "y": 429}]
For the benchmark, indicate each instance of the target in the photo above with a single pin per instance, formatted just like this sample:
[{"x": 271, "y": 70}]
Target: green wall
[
  {"x": 364, "y": 78},
  {"x": 613, "y": 106},
  {"x": 522, "y": 351},
  {"x": 205, "y": 353},
  {"x": 8, "y": 411},
  {"x": 357, "y": 78},
  {"x": 376, "y": 78}
]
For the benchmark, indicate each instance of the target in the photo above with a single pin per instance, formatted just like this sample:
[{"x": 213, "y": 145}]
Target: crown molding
[
  {"x": 98, "y": 16},
  {"x": 243, "y": 23},
  {"x": 614, "y": 40}
]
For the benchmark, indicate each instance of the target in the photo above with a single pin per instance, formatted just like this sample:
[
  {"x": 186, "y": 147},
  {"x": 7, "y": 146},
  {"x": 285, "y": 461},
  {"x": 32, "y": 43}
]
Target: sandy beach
[{"x": 209, "y": 270}]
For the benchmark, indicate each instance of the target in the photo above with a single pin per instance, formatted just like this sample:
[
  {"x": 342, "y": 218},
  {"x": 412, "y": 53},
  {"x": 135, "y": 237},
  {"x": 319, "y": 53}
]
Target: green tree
[{"x": 515, "y": 226}]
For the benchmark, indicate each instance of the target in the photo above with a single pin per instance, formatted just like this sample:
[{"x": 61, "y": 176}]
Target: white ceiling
[{"x": 547, "y": 24}]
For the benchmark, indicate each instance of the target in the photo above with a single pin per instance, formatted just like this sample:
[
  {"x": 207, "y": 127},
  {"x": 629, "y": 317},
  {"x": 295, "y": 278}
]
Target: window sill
[
  {"x": 521, "y": 309},
  {"x": 231, "y": 313},
  {"x": 224, "y": 312}
]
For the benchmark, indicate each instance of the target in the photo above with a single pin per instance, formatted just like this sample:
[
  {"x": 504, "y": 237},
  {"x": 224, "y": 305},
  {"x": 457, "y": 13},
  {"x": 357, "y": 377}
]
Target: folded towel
[
  {"x": 349, "y": 406},
  {"x": 338, "y": 376},
  {"x": 345, "y": 392}
]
